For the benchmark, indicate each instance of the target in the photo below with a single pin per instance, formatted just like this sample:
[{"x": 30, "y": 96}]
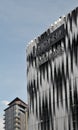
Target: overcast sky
[{"x": 20, "y": 22}]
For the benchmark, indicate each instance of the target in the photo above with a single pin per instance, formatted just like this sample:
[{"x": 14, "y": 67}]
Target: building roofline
[
  {"x": 6, "y": 108},
  {"x": 16, "y": 99}
]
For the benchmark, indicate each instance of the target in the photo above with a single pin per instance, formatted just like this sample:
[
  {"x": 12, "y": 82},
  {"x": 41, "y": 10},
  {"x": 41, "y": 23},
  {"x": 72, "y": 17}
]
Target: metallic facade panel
[{"x": 52, "y": 72}]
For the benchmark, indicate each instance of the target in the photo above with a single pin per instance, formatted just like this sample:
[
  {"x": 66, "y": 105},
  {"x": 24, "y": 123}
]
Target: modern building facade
[
  {"x": 16, "y": 115},
  {"x": 52, "y": 72}
]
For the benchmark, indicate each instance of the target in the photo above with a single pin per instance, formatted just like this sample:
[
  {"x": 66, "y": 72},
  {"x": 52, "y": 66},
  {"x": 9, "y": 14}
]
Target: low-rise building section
[{"x": 16, "y": 115}]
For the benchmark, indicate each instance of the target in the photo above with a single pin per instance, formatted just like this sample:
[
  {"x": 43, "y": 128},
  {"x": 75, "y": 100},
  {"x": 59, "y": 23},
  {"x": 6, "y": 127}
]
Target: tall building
[
  {"x": 52, "y": 71},
  {"x": 16, "y": 115}
]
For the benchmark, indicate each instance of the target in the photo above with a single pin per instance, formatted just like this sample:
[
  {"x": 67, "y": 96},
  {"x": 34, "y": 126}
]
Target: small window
[{"x": 34, "y": 50}]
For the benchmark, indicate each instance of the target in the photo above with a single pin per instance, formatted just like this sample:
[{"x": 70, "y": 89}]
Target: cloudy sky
[{"x": 21, "y": 21}]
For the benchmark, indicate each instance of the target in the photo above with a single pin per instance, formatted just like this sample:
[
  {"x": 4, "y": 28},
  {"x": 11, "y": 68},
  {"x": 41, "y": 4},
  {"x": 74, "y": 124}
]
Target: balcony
[
  {"x": 17, "y": 120},
  {"x": 16, "y": 116},
  {"x": 16, "y": 125}
]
